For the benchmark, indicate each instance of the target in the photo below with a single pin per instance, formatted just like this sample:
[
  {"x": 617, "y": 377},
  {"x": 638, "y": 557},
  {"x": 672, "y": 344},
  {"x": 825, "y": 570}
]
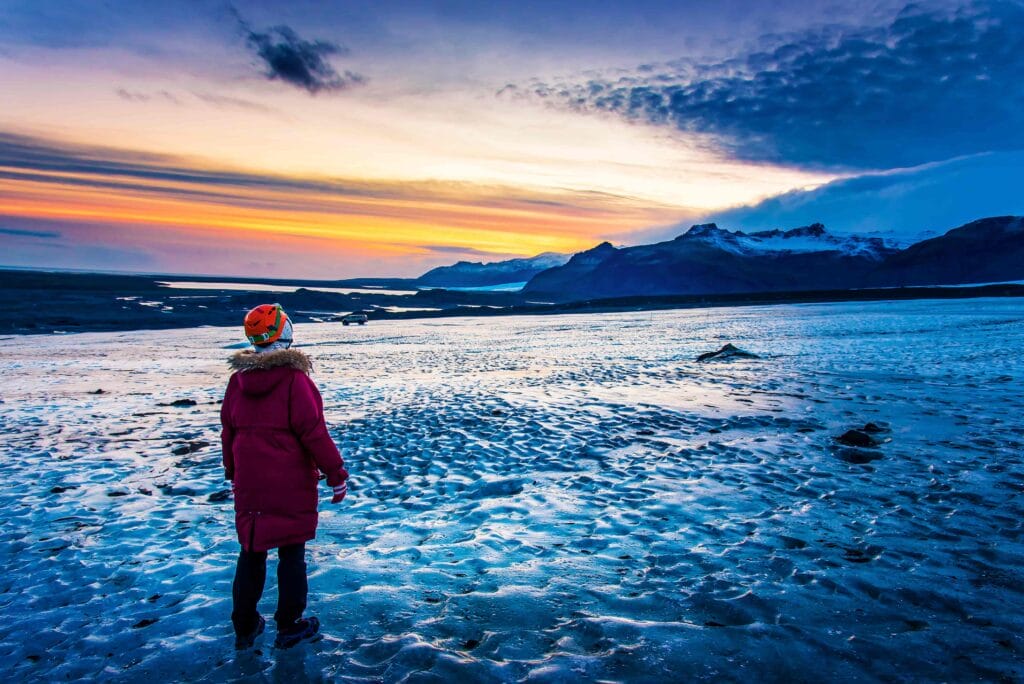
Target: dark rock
[
  {"x": 858, "y": 456},
  {"x": 876, "y": 428},
  {"x": 729, "y": 351},
  {"x": 470, "y": 644},
  {"x": 59, "y": 489},
  {"x": 98, "y": 391},
  {"x": 112, "y": 494},
  {"x": 145, "y": 622},
  {"x": 858, "y": 438},
  {"x": 222, "y": 495},
  {"x": 792, "y": 542},
  {"x": 181, "y": 403},
  {"x": 189, "y": 448}
]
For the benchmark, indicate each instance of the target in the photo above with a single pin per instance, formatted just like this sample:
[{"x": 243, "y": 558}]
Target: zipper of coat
[{"x": 252, "y": 530}]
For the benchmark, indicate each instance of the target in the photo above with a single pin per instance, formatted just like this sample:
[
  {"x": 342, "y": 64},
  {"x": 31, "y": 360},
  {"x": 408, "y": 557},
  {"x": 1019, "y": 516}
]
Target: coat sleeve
[
  {"x": 227, "y": 432},
  {"x": 307, "y": 421}
]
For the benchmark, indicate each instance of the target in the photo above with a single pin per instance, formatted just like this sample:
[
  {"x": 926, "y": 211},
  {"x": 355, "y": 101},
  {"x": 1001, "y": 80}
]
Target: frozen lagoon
[{"x": 565, "y": 498}]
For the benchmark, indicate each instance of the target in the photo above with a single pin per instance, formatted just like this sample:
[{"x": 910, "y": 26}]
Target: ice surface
[
  {"x": 567, "y": 498},
  {"x": 264, "y": 287}
]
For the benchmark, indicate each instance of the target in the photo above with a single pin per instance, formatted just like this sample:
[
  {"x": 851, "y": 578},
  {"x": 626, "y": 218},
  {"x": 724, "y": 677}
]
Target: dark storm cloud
[
  {"x": 929, "y": 85},
  {"x": 302, "y": 63}
]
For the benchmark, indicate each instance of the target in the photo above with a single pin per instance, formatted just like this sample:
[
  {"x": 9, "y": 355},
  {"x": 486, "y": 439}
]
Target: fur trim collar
[{"x": 249, "y": 360}]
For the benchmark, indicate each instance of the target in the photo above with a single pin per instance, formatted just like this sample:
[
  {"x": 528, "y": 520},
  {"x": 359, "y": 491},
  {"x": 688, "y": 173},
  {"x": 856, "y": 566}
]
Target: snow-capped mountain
[
  {"x": 812, "y": 238},
  {"x": 479, "y": 274},
  {"x": 709, "y": 260}
]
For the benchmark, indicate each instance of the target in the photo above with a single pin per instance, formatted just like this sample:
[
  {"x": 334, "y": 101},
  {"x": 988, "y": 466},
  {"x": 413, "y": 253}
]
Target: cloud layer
[
  {"x": 930, "y": 85},
  {"x": 904, "y": 206},
  {"x": 174, "y": 207}
]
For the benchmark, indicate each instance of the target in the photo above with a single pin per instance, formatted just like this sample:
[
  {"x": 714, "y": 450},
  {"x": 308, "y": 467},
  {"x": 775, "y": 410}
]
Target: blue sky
[{"x": 360, "y": 138}]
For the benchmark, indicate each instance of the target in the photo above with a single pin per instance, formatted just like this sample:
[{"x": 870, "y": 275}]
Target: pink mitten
[{"x": 339, "y": 492}]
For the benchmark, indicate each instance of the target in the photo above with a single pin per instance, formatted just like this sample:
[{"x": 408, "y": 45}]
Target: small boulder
[
  {"x": 729, "y": 351},
  {"x": 858, "y": 438},
  {"x": 189, "y": 448},
  {"x": 181, "y": 403}
]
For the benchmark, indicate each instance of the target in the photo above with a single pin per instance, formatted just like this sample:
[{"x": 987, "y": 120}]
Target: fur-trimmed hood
[
  {"x": 249, "y": 360},
  {"x": 259, "y": 374}
]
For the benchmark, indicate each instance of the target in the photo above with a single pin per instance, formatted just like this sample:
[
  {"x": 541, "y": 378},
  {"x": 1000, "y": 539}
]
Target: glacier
[{"x": 557, "y": 498}]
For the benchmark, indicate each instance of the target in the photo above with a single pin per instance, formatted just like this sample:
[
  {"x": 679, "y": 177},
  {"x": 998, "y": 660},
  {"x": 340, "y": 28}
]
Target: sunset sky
[{"x": 333, "y": 140}]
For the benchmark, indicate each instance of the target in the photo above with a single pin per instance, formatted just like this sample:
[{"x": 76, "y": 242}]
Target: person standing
[{"x": 275, "y": 443}]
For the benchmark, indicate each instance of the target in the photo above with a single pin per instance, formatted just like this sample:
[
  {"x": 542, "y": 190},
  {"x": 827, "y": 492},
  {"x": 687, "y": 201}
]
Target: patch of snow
[
  {"x": 504, "y": 287},
  {"x": 812, "y": 238}
]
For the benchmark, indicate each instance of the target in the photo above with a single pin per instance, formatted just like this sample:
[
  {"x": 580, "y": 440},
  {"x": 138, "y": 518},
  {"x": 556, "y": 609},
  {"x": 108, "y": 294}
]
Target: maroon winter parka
[{"x": 275, "y": 439}]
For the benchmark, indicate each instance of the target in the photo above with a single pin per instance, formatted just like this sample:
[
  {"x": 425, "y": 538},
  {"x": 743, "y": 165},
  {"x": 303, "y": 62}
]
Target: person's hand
[{"x": 339, "y": 492}]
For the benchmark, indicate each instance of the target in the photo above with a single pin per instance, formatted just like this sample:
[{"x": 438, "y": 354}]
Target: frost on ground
[{"x": 542, "y": 499}]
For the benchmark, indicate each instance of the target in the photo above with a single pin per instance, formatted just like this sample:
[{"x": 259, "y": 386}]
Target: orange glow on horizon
[{"x": 484, "y": 221}]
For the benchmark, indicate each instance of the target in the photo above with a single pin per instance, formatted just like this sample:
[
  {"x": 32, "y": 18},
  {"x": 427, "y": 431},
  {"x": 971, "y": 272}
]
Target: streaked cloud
[
  {"x": 40, "y": 234},
  {"x": 137, "y": 96},
  {"x": 930, "y": 84},
  {"x": 144, "y": 200},
  {"x": 464, "y": 251}
]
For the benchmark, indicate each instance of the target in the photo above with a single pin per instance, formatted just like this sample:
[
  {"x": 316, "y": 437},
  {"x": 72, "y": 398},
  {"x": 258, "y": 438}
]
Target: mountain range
[
  {"x": 470, "y": 274},
  {"x": 709, "y": 260}
]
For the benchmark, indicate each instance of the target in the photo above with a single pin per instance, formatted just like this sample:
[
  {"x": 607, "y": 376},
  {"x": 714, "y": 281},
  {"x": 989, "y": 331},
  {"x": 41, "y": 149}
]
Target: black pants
[{"x": 250, "y": 576}]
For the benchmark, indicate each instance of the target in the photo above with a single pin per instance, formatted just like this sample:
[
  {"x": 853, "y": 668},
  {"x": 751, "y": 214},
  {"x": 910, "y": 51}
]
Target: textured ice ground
[{"x": 542, "y": 499}]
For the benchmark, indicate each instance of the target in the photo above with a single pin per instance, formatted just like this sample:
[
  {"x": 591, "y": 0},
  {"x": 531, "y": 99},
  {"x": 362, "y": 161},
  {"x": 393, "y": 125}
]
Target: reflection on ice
[{"x": 538, "y": 499}]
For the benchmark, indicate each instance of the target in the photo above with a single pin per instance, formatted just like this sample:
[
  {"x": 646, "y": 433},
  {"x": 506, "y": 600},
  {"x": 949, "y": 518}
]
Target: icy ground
[{"x": 542, "y": 499}]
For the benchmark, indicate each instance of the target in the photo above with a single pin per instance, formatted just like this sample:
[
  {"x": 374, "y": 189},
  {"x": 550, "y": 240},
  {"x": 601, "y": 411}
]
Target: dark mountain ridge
[
  {"x": 709, "y": 260},
  {"x": 478, "y": 274}
]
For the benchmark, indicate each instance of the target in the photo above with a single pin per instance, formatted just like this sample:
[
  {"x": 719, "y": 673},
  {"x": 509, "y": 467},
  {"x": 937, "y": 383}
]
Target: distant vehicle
[{"x": 359, "y": 318}]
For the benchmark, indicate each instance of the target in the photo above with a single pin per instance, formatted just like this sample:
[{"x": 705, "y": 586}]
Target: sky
[{"x": 335, "y": 140}]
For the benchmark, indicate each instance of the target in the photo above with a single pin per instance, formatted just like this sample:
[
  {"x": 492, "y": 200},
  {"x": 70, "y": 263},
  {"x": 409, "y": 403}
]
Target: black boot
[
  {"x": 244, "y": 641},
  {"x": 305, "y": 630}
]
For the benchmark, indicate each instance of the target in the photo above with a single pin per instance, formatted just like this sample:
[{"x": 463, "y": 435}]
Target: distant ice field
[{"x": 541, "y": 499}]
